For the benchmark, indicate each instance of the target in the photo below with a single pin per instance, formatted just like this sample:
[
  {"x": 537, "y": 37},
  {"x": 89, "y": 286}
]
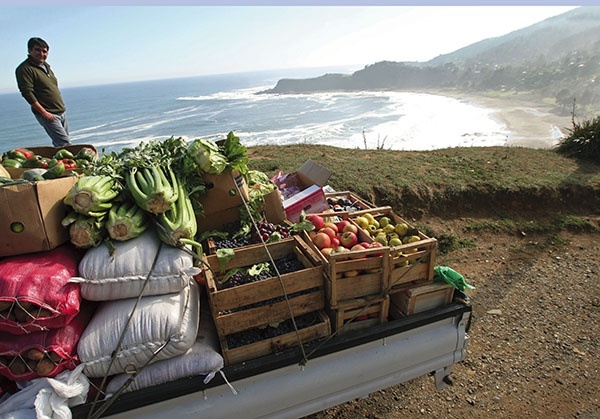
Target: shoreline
[{"x": 531, "y": 122}]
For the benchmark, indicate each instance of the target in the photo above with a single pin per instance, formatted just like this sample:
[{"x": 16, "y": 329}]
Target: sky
[{"x": 103, "y": 44}]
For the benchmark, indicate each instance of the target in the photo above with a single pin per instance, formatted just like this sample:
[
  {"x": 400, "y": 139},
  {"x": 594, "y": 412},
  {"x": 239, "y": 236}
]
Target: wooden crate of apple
[
  {"x": 412, "y": 253},
  {"x": 246, "y": 292},
  {"x": 355, "y": 266}
]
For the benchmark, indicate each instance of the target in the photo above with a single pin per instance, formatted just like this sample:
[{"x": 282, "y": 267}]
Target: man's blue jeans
[{"x": 58, "y": 130}]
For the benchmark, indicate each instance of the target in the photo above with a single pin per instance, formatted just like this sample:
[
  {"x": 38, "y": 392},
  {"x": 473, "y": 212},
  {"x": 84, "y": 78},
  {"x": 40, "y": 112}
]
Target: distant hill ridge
[{"x": 557, "y": 58}]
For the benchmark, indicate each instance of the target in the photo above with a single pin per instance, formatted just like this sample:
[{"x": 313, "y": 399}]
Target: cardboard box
[
  {"x": 48, "y": 151},
  {"x": 227, "y": 219},
  {"x": 311, "y": 200},
  {"x": 273, "y": 208},
  {"x": 31, "y": 215},
  {"x": 224, "y": 191},
  {"x": 309, "y": 180}
]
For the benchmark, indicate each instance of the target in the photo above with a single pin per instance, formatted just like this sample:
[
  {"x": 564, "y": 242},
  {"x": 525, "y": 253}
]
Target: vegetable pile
[
  {"x": 153, "y": 185},
  {"x": 38, "y": 168}
]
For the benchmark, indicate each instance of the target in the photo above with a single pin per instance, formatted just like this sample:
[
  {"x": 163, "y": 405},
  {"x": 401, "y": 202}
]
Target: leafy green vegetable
[
  {"x": 207, "y": 156},
  {"x": 235, "y": 153}
]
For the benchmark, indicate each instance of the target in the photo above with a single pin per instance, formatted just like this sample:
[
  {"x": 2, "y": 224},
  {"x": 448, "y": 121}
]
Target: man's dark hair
[{"x": 37, "y": 42}]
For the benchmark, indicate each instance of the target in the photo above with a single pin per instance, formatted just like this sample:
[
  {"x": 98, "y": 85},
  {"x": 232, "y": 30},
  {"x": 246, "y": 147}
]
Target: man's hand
[
  {"x": 39, "y": 109},
  {"x": 48, "y": 116}
]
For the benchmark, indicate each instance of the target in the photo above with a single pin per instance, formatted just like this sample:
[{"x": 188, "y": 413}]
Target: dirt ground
[{"x": 534, "y": 340}]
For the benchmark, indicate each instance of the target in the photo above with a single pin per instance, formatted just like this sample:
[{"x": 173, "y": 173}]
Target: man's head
[{"x": 38, "y": 50}]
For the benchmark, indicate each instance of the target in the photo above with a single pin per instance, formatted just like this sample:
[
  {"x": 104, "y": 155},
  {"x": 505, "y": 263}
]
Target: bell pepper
[
  {"x": 55, "y": 171},
  {"x": 14, "y": 154},
  {"x": 25, "y": 152},
  {"x": 86, "y": 153},
  {"x": 13, "y": 163},
  {"x": 63, "y": 154},
  {"x": 83, "y": 163},
  {"x": 36, "y": 162},
  {"x": 69, "y": 163}
]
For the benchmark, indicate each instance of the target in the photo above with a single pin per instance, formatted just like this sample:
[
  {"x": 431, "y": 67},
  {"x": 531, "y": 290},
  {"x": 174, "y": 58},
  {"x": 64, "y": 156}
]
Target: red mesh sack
[
  {"x": 35, "y": 293},
  {"x": 45, "y": 353}
]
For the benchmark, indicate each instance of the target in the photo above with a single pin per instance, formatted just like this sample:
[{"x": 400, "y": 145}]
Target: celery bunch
[
  {"x": 92, "y": 195},
  {"x": 126, "y": 221},
  {"x": 150, "y": 188},
  {"x": 85, "y": 231},
  {"x": 179, "y": 222}
]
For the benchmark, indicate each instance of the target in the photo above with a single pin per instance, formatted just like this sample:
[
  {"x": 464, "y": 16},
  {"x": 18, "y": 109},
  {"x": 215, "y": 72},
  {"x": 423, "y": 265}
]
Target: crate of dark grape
[
  {"x": 263, "y": 231},
  {"x": 259, "y": 341},
  {"x": 264, "y": 285},
  {"x": 347, "y": 201}
]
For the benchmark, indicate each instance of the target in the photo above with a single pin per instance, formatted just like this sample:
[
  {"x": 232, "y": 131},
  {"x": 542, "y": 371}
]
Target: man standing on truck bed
[{"x": 39, "y": 86}]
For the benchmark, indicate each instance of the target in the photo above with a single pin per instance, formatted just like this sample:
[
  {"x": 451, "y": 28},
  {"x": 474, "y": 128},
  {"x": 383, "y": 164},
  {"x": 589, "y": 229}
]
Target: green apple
[
  {"x": 401, "y": 229},
  {"x": 395, "y": 241},
  {"x": 384, "y": 221}
]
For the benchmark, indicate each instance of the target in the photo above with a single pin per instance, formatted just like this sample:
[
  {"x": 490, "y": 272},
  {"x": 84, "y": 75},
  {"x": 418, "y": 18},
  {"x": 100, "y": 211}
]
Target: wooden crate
[
  {"x": 355, "y": 274},
  {"x": 210, "y": 244},
  {"x": 358, "y": 202},
  {"x": 319, "y": 330},
  {"x": 262, "y": 303},
  {"x": 410, "y": 263},
  {"x": 359, "y": 313},
  {"x": 422, "y": 298}
]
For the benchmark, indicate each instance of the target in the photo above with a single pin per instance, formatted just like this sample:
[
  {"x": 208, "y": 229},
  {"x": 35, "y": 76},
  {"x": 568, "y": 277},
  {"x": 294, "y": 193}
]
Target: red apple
[
  {"x": 357, "y": 247},
  {"x": 331, "y": 226},
  {"x": 342, "y": 224},
  {"x": 316, "y": 220},
  {"x": 329, "y": 231},
  {"x": 365, "y": 245},
  {"x": 348, "y": 239},
  {"x": 321, "y": 240},
  {"x": 352, "y": 273},
  {"x": 351, "y": 227},
  {"x": 335, "y": 242},
  {"x": 373, "y": 246}
]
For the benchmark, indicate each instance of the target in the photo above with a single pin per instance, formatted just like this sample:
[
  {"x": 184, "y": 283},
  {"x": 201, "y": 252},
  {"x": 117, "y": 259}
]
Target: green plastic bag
[{"x": 450, "y": 276}]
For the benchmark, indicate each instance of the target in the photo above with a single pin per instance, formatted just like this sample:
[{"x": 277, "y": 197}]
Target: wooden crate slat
[
  {"x": 271, "y": 313},
  {"x": 278, "y": 343},
  {"x": 359, "y": 313},
  {"x": 255, "y": 292}
]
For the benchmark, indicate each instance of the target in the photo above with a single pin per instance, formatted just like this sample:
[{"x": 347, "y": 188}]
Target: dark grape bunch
[
  {"x": 266, "y": 229},
  {"x": 231, "y": 243},
  {"x": 286, "y": 264},
  {"x": 247, "y": 337},
  {"x": 339, "y": 204}
]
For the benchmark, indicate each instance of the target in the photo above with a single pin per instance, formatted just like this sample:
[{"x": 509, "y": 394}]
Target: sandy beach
[{"x": 531, "y": 123}]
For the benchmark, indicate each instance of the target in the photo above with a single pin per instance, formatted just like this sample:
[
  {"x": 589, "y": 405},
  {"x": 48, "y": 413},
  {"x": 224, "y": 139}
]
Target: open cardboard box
[
  {"x": 31, "y": 215},
  {"x": 49, "y": 152},
  {"x": 309, "y": 179}
]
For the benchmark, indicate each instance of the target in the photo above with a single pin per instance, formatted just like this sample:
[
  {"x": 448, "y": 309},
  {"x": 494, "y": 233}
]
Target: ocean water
[{"x": 121, "y": 115}]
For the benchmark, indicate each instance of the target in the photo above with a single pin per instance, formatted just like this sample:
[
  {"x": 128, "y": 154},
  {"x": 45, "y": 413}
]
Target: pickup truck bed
[{"x": 345, "y": 367}]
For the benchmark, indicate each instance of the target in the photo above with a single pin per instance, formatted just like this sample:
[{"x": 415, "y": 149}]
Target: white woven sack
[
  {"x": 203, "y": 358},
  {"x": 169, "y": 320},
  {"x": 105, "y": 277}
]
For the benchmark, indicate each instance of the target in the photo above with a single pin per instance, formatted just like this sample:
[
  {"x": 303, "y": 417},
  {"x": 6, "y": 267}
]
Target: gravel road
[{"x": 534, "y": 341}]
